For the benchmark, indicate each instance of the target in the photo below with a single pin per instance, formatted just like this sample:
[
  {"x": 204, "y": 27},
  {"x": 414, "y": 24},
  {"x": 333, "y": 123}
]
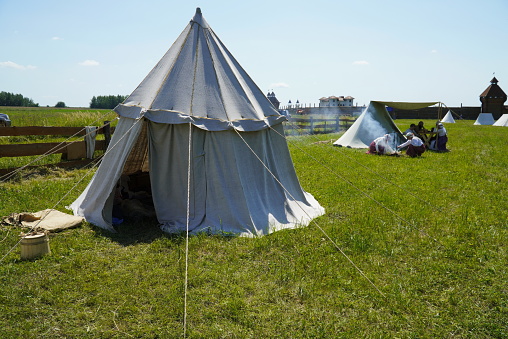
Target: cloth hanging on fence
[{"x": 91, "y": 133}]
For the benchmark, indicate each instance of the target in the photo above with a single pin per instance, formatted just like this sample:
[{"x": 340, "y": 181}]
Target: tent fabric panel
[
  {"x": 168, "y": 147},
  {"x": 371, "y": 124},
  {"x": 92, "y": 201},
  {"x": 213, "y": 124},
  {"x": 180, "y": 81},
  {"x": 407, "y": 105},
  {"x": 236, "y": 101},
  {"x": 484, "y": 119},
  {"x": 502, "y": 121},
  {"x": 147, "y": 90},
  {"x": 206, "y": 99},
  {"x": 448, "y": 118},
  {"x": 260, "y": 102},
  {"x": 231, "y": 190}
]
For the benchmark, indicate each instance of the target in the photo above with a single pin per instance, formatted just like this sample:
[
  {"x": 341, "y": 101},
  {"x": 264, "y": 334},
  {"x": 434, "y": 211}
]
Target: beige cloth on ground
[{"x": 52, "y": 220}]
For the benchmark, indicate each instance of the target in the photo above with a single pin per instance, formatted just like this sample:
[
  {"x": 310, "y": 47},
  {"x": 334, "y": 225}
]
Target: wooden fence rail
[
  {"x": 313, "y": 125},
  {"x": 76, "y": 150}
]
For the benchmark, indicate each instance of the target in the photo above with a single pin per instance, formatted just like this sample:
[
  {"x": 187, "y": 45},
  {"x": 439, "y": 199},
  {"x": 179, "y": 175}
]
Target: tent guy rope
[
  {"x": 69, "y": 191},
  {"x": 386, "y": 180},
  {"x": 313, "y": 221},
  {"x": 365, "y": 194},
  {"x": 56, "y": 148}
]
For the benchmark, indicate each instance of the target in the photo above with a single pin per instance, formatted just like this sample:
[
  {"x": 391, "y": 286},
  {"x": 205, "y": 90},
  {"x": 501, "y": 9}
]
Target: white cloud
[
  {"x": 360, "y": 62},
  {"x": 279, "y": 85},
  {"x": 56, "y": 38},
  {"x": 11, "y": 64},
  {"x": 89, "y": 63},
  {"x": 433, "y": 51}
]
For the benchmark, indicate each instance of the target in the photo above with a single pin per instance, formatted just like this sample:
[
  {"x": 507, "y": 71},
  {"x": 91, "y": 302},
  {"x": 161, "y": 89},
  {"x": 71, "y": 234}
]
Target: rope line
[
  {"x": 72, "y": 188},
  {"x": 53, "y": 150},
  {"x": 187, "y": 235},
  {"x": 390, "y": 182},
  {"x": 312, "y": 220},
  {"x": 362, "y": 192}
]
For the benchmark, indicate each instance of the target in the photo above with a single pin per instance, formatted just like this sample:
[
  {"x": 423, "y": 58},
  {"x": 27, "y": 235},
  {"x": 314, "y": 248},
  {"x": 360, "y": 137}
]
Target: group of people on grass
[{"x": 414, "y": 143}]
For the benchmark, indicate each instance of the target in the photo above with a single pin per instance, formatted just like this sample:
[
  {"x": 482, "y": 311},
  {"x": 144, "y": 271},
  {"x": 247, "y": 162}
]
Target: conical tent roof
[
  {"x": 448, "y": 118},
  {"x": 199, "y": 81},
  {"x": 484, "y": 119}
]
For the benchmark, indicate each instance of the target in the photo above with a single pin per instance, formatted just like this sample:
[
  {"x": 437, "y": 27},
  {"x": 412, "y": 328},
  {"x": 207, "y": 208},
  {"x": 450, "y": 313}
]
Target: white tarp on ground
[
  {"x": 46, "y": 220},
  {"x": 484, "y": 119},
  {"x": 375, "y": 122},
  {"x": 502, "y": 121},
  {"x": 448, "y": 118},
  {"x": 198, "y": 88}
]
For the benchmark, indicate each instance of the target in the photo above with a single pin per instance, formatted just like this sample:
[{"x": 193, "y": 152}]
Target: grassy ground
[{"x": 430, "y": 233}]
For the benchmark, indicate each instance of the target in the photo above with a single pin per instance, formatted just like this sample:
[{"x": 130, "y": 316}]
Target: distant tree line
[
  {"x": 11, "y": 99},
  {"x": 107, "y": 101}
]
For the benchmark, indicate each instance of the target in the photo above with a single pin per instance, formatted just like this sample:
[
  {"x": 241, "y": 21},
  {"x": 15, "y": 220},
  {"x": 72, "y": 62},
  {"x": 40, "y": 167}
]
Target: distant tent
[
  {"x": 375, "y": 122},
  {"x": 503, "y": 121},
  {"x": 484, "y": 119},
  {"x": 195, "y": 130},
  {"x": 448, "y": 118}
]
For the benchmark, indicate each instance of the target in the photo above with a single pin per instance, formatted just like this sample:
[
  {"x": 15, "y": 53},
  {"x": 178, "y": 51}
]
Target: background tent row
[{"x": 198, "y": 100}]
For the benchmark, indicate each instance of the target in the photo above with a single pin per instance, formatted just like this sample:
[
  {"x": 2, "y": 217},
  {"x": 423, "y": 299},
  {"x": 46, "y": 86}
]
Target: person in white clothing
[
  {"x": 381, "y": 146},
  {"x": 415, "y": 146}
]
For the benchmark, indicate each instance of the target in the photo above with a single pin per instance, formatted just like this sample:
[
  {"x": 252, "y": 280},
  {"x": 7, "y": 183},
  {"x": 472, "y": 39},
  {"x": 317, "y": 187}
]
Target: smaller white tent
[
  {"x": 448, "y": 118},
  {"x": 484, "y": 119},
  {"x": 503, "y": 121},
  {"x": 375, "y": 122}
]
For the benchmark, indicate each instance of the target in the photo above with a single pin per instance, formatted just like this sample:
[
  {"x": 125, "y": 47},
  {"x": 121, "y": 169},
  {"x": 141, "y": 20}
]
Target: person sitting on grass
[
  {"x": 415, "y": 146},
  {"x": 420, "y": 129},
  {"x": 381, "y": 146},
  {"x": 411, "y": 129}
]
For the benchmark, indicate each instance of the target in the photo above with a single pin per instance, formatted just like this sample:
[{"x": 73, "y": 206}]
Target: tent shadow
[
  {"x": 134, "y": 232},
  {"x": 146, "y": 231}
]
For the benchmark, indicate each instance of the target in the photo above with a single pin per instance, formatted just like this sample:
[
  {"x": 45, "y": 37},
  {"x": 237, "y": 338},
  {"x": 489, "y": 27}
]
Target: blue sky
[{"x": 393, "y": 50}]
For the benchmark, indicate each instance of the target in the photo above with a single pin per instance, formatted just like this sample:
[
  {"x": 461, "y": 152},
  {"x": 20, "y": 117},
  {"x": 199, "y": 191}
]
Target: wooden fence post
[{"x": 311, "y": 125}]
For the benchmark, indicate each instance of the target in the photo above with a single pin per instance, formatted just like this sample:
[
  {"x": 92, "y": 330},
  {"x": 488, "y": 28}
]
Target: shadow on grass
[{"x": 146, "y": 231}]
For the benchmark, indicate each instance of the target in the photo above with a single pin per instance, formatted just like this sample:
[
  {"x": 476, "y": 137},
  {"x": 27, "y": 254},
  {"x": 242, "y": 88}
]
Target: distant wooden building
[
  {"x": 493, "y": 99},
  {"x": 273, "y": 99}
]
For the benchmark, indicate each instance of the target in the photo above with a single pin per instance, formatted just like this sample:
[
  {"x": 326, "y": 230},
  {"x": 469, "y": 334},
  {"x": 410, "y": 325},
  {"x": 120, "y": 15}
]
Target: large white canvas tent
[
  {"x": 484, "y": 119},
  {"x": 374, "y": 122},
  {"x": 502, "y": 121},
  {"x": 199, "y": 101},
  {"x": 448, "y": 118}
]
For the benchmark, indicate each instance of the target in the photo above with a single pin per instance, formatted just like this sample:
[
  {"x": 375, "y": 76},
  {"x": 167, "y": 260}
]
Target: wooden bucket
[{"x": 33, "y": 246}]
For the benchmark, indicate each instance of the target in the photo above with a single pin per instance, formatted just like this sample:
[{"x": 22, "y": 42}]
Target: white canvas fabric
[
  {"x": 373, "y": 123},
  {"x": 484, "y": 119},
  {"x": 448, "y": 118},
  {"x": 199, "y": 88},
  {"x": 96, "y": 201},
  {"x": 199, "y": 81},
  {"x": 502, "y": 121}
]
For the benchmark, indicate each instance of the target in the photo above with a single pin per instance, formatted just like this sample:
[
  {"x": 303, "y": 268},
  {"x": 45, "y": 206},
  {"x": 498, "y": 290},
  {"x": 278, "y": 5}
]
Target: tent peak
[{"x": 198, "y": 18}]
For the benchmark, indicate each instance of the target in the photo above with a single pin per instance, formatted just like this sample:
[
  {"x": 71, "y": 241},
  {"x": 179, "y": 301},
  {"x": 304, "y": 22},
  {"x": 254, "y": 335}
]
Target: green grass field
[{"x": 430, "y": 233}]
